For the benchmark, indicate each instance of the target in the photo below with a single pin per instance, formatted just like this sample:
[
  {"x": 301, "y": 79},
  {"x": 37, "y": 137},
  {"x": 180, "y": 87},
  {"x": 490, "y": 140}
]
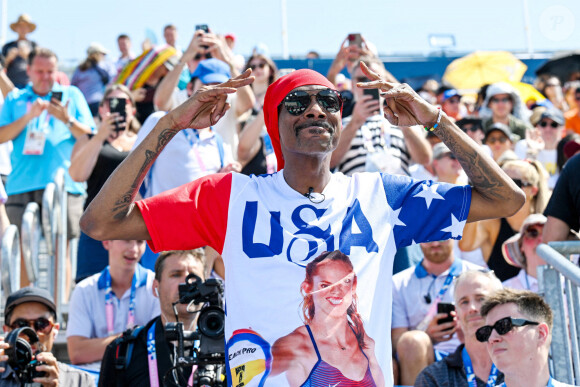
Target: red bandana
[{"x": 277, "y": 91}]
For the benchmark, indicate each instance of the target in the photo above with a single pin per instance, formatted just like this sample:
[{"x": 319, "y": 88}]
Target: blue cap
[
  {"x": 555, "y": 115},
  {"x": 212, "y": 71},
  {"x": 450, "y": 93}
]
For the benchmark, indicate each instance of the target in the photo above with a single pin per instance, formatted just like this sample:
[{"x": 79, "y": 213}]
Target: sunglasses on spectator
[
  {"x": 493, "y": 140},
  {"x": 450, "y": 155},
  {"x": 297, "y": 102},
  {"x": 453, "y": 100},
  {"x": 520, "y": 183},
  {"x": 501, "y": 326},
  {"x": 202, "y": 56},
  {"x": 256, "y": 66},
  {"x": 470, "y": 128},
  {"x": 504, "y": 100},
  {"x": 553, "y": 124},
  {"x": 40, "y": 325},
  {"x": 532, "y": 233},
  {"x": 362, "y": 79}
]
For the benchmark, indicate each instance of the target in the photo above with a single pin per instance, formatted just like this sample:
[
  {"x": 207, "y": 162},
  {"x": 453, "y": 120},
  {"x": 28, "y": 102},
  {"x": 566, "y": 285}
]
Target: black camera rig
[
  {"x": 20, "y": 354},
  {"x": 209, "y": 355}
]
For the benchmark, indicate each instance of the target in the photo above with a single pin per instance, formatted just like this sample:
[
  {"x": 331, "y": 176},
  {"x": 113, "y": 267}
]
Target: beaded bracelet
[{"x": 436, "y": 124}]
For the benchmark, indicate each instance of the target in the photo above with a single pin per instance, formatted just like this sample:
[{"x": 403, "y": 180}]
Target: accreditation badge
[{"x": 34, "y": 143}]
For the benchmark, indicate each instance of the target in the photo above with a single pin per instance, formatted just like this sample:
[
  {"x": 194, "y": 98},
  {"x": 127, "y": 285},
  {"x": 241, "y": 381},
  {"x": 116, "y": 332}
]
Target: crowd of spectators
[{"x": 90, "y": 125}]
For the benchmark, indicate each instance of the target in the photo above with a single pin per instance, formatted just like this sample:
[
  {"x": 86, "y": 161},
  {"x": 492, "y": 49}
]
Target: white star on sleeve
[
  {"x": 429, "y": 194},
  {"x": 394, "y": 218},
  {"x": 456, "y": 227}
]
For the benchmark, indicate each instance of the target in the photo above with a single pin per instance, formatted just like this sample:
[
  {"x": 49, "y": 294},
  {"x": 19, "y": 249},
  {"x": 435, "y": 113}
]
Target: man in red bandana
[{"x": 268, "y": 228}]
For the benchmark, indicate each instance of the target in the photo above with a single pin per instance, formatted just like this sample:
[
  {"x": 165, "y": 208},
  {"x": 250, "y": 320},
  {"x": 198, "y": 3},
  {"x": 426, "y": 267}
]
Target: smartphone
[
  {"x": 57, "y": 95},
  {"x": 117, "y": 105},
  {"x": 355, "y": 40},
  {"x": 372, "y": 92},
  {"x": 444, "y": 307},
  {"x": 202, "y": 27}
]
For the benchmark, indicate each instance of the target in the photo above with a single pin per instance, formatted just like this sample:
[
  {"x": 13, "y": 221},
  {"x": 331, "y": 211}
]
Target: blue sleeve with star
[{"x": 427, "y": 210}]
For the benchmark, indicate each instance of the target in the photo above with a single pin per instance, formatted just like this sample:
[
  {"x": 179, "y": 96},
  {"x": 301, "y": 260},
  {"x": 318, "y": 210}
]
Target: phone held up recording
[
  {"x": 202, "y": 27},
  {"x": 444, "y": 307},
  {"x": 117, "y": 105},
  {"x": 355, "y": 40},
  {"x": 57, "y": 95}
]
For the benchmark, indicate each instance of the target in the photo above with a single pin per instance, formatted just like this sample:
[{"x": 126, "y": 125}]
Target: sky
[{"x": 394, "y": 27}]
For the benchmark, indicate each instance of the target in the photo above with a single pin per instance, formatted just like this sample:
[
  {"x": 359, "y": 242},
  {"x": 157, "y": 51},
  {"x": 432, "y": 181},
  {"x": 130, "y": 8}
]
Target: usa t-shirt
[{"x": 267, "y": 233}]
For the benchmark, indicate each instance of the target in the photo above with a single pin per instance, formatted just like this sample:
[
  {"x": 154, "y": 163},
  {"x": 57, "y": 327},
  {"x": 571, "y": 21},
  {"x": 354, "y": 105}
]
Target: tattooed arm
[
  {"x": 113, "y": 214},
  {"x": 494, "y": 194}
]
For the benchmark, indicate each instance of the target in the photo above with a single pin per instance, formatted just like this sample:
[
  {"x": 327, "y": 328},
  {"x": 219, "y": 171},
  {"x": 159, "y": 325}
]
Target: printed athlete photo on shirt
[{"x": 332, "y": 346}]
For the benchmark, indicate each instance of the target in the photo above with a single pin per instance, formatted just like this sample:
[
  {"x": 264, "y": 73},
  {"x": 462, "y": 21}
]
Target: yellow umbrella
[
  {"x": 483, "y": 67},
  {"x": 527, "y": 92}
]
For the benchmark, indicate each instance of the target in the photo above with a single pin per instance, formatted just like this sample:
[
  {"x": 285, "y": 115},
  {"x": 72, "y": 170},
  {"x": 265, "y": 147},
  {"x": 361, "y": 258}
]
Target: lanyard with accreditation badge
[
  {"x": 152, "y": 360},
  {"x": 36, "y": 131},
  {"x": 422, "y": 326},
  {"x": 471, "y": 381},
  {"x": 109, "y": 308}
]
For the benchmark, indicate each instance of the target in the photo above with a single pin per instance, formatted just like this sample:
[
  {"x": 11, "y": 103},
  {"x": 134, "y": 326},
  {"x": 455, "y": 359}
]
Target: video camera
[
  {"x": 20, "y": 355},
  {"x": 209, "y": 355}
]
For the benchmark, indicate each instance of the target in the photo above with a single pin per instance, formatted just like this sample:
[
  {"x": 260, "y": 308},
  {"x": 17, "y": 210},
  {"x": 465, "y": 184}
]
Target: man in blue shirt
[{"x": 43, "y": 121}]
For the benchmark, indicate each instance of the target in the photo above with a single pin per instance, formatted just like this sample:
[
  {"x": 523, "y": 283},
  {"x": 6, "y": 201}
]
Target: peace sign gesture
[
  {"x": 208, "y": 104},
  {"x": 402, "y": 107}
]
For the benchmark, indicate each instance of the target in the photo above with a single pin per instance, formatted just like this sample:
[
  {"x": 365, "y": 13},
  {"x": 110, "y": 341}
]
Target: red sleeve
[{"x": 193, "y": 215}]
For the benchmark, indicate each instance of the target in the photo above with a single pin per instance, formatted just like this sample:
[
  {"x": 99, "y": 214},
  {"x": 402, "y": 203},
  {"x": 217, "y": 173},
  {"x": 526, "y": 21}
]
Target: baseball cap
[
  {"x": 96, "y": 48},
  {"x": 449, "y": 94},
  {"x": 230, "y": 36},
  {"x": 502, "y": 128},
  {"x": 440, "y": 150},
  {"x": 212, "y": 71},
  {"x": 475, "y": 121},
  {"x": 554, "y": 115},
  {"x": 29, "y": 294},
  {"x": 511, "y": 247}
]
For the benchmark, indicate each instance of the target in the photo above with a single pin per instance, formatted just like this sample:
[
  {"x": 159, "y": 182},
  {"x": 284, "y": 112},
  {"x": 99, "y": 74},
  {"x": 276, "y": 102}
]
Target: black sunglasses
[
  {"x": 297, "y": 102},
  {"x": 493, "y": 140},
  {"x": 502, "y": 327},
  {"x": 553, "y": 124},
  {"x": 41, "y": 324},
  {"x": 256, "y": 66},
  {"x": 532, "y": 233},
  {"x": 504, "y": 99},
  {"x": 202, "y": 56},
  {"x": 520, "y": 183},
  {"x": 450, "y": 155}
]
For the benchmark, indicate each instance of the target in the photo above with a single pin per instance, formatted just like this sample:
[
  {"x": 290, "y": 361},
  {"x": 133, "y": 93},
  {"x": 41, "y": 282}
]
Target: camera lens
[{"x": 211, "y": 322}]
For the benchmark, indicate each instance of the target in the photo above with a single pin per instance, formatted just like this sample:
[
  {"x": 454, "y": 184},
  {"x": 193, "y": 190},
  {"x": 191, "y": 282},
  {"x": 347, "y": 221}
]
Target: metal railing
[
  {"x": 54, "y": 225},
  {"x": 559, "y": 282},
  {"x": 10, "y": 262},
  {"x": 31, "y": 235},
  {"x": 44, "y": 246}
]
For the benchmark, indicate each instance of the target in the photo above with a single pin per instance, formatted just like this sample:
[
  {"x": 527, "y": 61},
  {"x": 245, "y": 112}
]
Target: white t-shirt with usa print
[{"x": 267, "y": 233}]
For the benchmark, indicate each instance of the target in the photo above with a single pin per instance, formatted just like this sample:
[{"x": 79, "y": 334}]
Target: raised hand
[
  {"x": 208, "y": 104},
  {"x": 38, "y": 107},
  {"x": 402, "y": 107},
  {"x": 108, "y": 125},
  {"x": 441, "y": 332},
  {"x": 50, "y": 367},
  {"x": 59, "y": 111}
]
